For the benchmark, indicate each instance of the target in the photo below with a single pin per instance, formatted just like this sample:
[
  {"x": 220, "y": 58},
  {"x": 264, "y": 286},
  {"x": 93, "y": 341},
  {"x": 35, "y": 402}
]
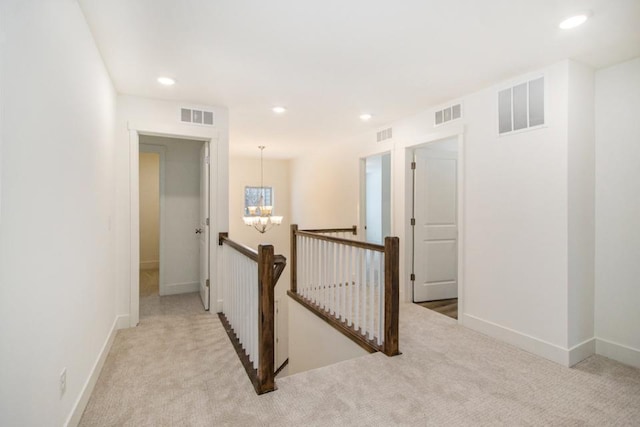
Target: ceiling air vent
[
  {"x": 196, "y": 117},
  {"x": 384, "y": 134},
  {"x": 448, "y": 114},
  {"x": 521, "y": 107}
]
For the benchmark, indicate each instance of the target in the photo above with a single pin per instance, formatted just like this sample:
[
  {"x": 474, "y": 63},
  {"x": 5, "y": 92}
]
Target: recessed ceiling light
[
  {"x": 278, "y": 110},
  {"x": 366, "y": 116},
  {"x": 167, "y": 81},
  {"x": 574, "y": 21}
]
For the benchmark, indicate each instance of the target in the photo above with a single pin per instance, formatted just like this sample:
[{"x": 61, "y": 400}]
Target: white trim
[
  {"x": 134, "y": 211},
  {"x": 134, "y": 227},
  {"x": 81, "y": 403},
  {"x": 581, "y": 351},
  {"x": 362, "y": 207},
  {"x": 525, "y": 342},
  {"x": 122, "y": 321},
  {"x": 180, "y": 288},
  {"x": 149, "y": 265},
  {"x": 458, "y": 133},
  {"x": 622, "y": 353}
]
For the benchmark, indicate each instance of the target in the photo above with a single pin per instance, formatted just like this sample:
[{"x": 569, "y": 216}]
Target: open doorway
[
  {"x": 149, "y": 167},
  {"x": 376, "y": 193},
  {"x": 435, "y": 226},
  {"x": 173, "y": 183}
]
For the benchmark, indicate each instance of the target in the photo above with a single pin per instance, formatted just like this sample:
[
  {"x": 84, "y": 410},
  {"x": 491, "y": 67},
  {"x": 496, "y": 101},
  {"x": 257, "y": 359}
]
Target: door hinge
[
  {"x": 207, "y": 221},
  {"x": 413, "y": 165},
  {"x": 413, "y": 221},
  {"x": 206, "y": 160},
  {"x": 207, "y": 283},
  {"x": 412, "y": 277}
]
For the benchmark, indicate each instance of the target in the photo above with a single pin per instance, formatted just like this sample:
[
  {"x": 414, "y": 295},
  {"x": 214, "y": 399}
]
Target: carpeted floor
[{"x": 179, "y": 369}]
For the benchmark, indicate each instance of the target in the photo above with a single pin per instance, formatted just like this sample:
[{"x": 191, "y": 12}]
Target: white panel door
[
  {"x": 203, "y": 229},
  {"x": 436, "y": 227}
]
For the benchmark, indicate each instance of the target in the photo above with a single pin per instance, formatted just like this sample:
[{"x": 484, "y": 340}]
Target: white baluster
[
  {"x": 380, "y": 298},
  {"x": 371, "y": 295},
  {"x": 336, "y": 281},
  {"x": 361, "y": 302},
  {"x": 355, "y": 284}
]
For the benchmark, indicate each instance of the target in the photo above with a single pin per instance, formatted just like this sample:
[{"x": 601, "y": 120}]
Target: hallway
[{"x": 179, "y": 368}]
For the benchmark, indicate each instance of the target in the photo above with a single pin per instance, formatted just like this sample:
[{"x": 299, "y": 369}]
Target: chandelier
[{"x": 260, "y": 216}]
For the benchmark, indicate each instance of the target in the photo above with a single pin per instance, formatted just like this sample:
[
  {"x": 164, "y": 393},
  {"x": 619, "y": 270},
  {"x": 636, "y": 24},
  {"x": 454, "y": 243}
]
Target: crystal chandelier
[{"x": 260, "y": 216}]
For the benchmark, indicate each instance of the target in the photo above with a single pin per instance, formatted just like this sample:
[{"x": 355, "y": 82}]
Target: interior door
[
  {"x": 203, "y": 228},
  {"x": 436, "y": 225}
]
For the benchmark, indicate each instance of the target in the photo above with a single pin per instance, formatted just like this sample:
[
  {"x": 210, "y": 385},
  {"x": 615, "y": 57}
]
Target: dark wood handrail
[
  {"x": 354, "y": 243},
  {"x": 279, "y": 261},
  {"x": 353, "y": 230},
  {"x": 391, "y": 250},
  {"x": 279, "y": 264},
  {"x": 223, "y": 238}
]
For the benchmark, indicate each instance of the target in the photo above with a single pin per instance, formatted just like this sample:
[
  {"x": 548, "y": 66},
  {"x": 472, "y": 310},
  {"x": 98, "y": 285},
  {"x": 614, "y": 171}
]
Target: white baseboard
[
  {"x": 526, "y": 342},
  {"x": 581, "y": 351},
  {"x": 149, "y": 265},
  {"x": 81, "y": 403},
  {"x": 623, "y": 354},
  {"x": 179, "y": 288},
  {"x": 123, "y": 321}
]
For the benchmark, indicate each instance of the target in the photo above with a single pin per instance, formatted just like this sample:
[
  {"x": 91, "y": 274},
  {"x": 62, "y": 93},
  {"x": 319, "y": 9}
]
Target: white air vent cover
[
  {"x": 196, "y": 117},
  {"x": 521, "y": 106},
  {"x": 453, "y": 112},
  {"x": 384, "y": 134}
]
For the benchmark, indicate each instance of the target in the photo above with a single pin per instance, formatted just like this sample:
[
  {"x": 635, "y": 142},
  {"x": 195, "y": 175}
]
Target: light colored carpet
[{"x": 179, "y": 369}]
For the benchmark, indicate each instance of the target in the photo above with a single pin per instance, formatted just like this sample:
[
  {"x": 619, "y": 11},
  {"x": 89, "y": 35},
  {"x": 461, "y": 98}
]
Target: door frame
[
  {"x": 362, "y": 178},
  {"x": 134, "y": 234},
  {"x": 362, "y": 205},
  {"x": 409, "y": 208}
]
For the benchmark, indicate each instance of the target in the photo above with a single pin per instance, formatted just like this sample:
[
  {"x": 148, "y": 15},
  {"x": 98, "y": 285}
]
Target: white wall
[
  {"x": 152, "y": 116},
  {"x": 180, "y": 264},
  {"x": 325, "y": 188},
  {"x": 515, "y": 266},
  {"x": 617, "y": 296},
  {"x": 315, "y": 343},
  {"x": 245, "y": 171},
  {"x": 515, "y": 217},
  {"x": 57, "y": 282},
  {"x": 149, "y": 210}
]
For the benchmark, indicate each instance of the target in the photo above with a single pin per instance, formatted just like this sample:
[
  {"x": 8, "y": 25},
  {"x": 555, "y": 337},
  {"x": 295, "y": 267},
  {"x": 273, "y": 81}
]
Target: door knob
[{"x": 198, "y": 230}]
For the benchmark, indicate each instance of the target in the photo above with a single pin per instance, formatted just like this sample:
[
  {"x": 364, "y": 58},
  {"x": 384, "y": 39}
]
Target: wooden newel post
[
  {"x": 266, "y": 319},
  {"x": 221, "y": 236},
  {"x": 294, "y": 258},
  {"x": 392, "y": 295}
]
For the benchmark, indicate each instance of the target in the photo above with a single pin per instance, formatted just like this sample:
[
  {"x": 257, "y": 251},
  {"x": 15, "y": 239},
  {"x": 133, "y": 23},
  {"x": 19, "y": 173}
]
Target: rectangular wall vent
[
  {"x": 384, "y": 134},
  {"x": 196, "y": 117},
  {"x": 453, "y": 112},
  {"x": 521, "y": 106}
]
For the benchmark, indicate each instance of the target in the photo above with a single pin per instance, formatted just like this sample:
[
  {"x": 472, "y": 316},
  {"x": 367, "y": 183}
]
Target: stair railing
[
  {"x": 248, "y": 281},
  {"x": 352, "y": 285}
]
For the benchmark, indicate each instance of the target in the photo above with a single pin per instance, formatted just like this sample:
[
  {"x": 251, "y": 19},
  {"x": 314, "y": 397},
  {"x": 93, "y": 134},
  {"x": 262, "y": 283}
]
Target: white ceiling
[{"x": 328, "y": 61}]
